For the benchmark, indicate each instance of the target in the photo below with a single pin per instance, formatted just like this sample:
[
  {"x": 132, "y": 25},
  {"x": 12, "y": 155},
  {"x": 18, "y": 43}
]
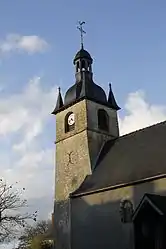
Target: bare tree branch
[
  {"x": 40, "y": 233},
  {"x": 12, "y": 219}
]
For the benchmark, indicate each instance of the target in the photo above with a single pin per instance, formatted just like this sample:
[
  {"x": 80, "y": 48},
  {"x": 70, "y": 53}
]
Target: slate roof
[
  {"x": 135, "y": 156},
  {"x": 82, "y": 53},
  {"x": 85, "y": 89},
  {"x": 158, "y": 201},
  {"x": 111, "y": 100},
  {"x": 59, "y": 103}
]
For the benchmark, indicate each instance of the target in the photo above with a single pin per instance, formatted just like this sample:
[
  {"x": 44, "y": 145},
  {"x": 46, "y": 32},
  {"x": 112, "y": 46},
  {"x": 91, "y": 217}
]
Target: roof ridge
[
  {"x": 142, "y": 129},
  {"x": 155, "y": 195}
]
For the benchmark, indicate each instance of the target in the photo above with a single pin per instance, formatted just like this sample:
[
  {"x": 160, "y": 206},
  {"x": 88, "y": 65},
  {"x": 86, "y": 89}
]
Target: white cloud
[
  {"x": 26, "y": 112},
  {"x": 17, "y": 43},
  {"x": 34, "y": 171},
  {"x": 140, "y": 113},
  {"x": 23, "y": 120}
]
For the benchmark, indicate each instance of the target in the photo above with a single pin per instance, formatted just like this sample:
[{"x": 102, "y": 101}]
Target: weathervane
[{"x": 82, "y": 32}]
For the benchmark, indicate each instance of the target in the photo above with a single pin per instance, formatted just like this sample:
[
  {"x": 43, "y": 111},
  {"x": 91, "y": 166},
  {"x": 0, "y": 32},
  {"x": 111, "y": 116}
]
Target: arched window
[
  {"x": 69, "y": 122},
  {"x": 77, "y": 66},
  {"x": 103, "y": 120},
  {"x": 83, "y": 66},
  {"x": 89, "y": 67}
]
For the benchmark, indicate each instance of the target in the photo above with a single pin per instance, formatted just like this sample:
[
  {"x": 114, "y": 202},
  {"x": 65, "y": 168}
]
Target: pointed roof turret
[
  {"x": 111, "y": 99},
  {"x": 59, "y": 102}
]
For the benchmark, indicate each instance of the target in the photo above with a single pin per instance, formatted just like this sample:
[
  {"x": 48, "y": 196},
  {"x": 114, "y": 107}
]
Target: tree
[
  {"x": 11, "y": 216},
  {"x": 37, "y": 237},
  {"x": 39, "y": 243}
]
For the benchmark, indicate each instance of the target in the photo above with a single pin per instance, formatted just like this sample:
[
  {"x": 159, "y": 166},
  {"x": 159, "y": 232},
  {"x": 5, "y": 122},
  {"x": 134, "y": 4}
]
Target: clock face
[{"x": 71, "y": 119}]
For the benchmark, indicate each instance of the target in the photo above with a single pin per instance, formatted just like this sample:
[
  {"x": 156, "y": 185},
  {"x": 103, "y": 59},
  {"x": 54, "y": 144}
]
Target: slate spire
[
  {"x": 111, "y": 99},
  {"x": 59, "y": 102}
]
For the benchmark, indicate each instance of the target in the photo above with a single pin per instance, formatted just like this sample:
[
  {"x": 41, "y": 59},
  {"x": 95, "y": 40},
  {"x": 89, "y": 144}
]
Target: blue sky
[
  {"x": 127, "y": 39},
  {"x": 38, "y": 40}
]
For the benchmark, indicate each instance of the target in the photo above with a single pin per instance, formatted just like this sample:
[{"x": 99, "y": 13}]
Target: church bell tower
[{"x": 85, "y": 119}]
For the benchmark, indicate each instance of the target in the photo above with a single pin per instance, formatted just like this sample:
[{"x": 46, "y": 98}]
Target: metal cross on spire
[{"x": 82, "y": 32}]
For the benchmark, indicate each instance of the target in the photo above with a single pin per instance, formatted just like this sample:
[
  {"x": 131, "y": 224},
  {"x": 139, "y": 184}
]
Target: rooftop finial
[
  {"x": 110, "y": 85},
  {"x": 82, "y": 32}
]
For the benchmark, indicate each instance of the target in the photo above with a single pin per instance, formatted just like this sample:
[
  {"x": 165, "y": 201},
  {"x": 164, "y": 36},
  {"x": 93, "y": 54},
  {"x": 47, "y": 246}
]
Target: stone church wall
[
  {"x": 96, "y": 218},
  {"x": 76, "y": 153}
]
